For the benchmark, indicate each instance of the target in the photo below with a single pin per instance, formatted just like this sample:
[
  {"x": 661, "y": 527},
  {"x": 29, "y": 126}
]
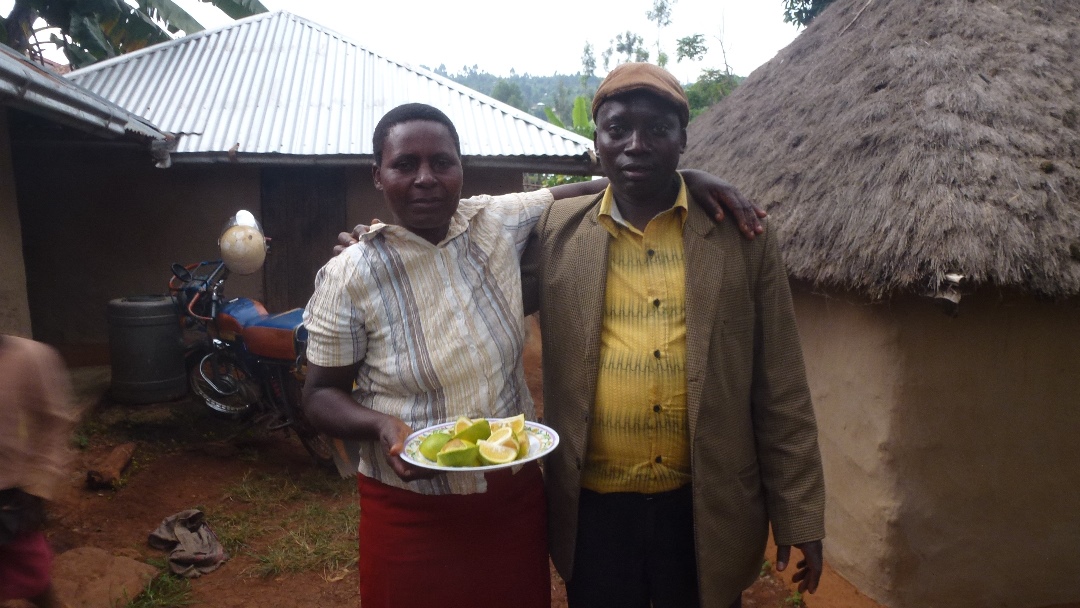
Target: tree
[
  {"x": 582, "y": 122},
  {"x": 631, "y": 46},
  {"x": 91, "y": 30},
  {"x": 582, "y": 125},
  {"x": 509, "y": 93},
  {"x": 588, "y": 65},
  {"x": 661, "y": 16},
  {"x": 802, "y": 12},
  {"x": 562, "y": 103},
  {"x": 711, "y": 87},
  {"x": 691, "y": 47}
]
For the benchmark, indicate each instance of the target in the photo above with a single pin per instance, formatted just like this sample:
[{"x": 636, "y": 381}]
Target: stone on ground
[{"x": 88, "y": 577}]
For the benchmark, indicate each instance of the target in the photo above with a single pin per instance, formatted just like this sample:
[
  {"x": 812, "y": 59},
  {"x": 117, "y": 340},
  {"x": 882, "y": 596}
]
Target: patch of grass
[
  {"x": 170, "y": 425},
  {"x": 164, "y": 591},
  {"x": 264, "y": 490},
  {"x": 766, "y": 568},
  {"x": 236, "y": 529},
  {"x": 285, "y": 525},
  {"x": 87, "y": 431},
  {"x": 80, "y": 440},
  {"x": 315, "y": 538},
  {"x": 794, "y": 600}
]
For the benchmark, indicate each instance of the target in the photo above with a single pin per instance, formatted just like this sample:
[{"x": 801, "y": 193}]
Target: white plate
[{"x": 542, "y": 440}]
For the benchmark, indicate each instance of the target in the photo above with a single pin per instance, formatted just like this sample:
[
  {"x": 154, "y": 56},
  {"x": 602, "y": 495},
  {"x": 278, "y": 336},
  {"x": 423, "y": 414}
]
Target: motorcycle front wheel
[{"x": 225, "y": 388}]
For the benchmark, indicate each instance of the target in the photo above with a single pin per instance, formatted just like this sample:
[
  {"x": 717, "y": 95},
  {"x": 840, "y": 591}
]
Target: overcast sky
[{"x": 539, "y": 38}]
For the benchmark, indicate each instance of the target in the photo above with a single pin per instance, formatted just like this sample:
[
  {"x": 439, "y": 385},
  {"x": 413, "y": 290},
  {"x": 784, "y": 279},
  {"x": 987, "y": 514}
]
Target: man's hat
[{"x": 629, "y": 77}]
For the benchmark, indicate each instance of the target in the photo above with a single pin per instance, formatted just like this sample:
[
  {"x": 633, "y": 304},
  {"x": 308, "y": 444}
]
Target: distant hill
[
  {"x": 532, "y": 93},
  {"x": 557, "y": 92}
]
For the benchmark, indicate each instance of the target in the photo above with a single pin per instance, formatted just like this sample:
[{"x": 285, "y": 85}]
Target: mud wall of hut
[
  {"x": 14, "y": 309},
  {"x": 100, "y": 222},
  {"x": 103, "y": 223},
  {"x": 949, "y": 446}
]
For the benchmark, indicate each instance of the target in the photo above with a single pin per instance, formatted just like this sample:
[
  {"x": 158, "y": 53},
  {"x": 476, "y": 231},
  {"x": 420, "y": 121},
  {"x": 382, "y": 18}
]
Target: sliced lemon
[
  {"x": 458, "y": 453},
  {"x": 494, "y": 453},
  {"x": 517, "y": 423},
  {"x": 462, "y": 423},
  {"x": 523, "y": 443},
  {"x": 479, "y": 429},
  {"x": 501, "y": 435},
  {"x": 431, "y": 444}
]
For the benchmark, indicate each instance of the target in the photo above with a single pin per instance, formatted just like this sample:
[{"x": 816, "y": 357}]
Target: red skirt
[
  {"x": 487, "y": 549},
  {"x": 25, "y": 567}
]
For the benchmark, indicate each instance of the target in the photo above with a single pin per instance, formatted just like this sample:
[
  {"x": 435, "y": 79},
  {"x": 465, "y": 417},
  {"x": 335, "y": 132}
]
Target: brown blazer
[{"x": 754, "y": 450}]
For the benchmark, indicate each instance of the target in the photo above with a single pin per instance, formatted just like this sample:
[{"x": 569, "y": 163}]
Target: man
[
  {"x": 36, "y": 417},
  {"x": 677, "y": 387}
]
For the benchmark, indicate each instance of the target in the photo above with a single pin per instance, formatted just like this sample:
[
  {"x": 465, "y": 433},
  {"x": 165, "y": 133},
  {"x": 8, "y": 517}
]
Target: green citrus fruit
[
  {"x": 479, "y": 429},
  {"x": 462, "y": 423},
  {"x": 431, "y": 444},
  {"x": 458, "y": 453}
]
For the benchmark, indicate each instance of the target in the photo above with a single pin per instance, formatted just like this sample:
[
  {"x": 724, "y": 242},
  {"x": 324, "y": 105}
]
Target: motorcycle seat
[
  {"x": 237, "y": 314},
  {"x": 280, "y": 336}
]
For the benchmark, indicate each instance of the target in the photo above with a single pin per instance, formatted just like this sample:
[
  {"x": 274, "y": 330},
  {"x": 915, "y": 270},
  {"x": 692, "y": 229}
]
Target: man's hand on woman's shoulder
[{"x": 346, "y": 239}]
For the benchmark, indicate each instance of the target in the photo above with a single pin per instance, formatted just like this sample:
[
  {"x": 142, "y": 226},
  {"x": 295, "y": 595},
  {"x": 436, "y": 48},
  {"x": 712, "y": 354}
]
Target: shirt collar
[
  {"x": 609, "y": 210},
  {"x": 459, "y": 223}
]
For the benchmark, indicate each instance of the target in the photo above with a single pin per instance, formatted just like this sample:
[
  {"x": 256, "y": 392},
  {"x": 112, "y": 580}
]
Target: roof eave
[
  {"x": 33, "y": 89},
  {"x": 583, "y": 164},
  {"x": 69, "y": 105}
]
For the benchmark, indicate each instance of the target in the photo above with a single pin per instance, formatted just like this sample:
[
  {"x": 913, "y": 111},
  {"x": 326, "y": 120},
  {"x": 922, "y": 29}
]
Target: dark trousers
[{"x": 635, "y": 551}]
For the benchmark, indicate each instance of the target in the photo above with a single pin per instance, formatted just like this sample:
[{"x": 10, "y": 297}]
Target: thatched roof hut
[
  {"x": 895, "y": 142},
  {"x": 899, "y": 145}
]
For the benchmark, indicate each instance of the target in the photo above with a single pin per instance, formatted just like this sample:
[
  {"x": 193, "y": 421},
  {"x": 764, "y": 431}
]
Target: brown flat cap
[{"x": 629, "y": 77}]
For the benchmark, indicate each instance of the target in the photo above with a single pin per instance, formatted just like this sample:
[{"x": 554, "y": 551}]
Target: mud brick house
[
  {"x": 42, "y": 115},
  {"x": 273, "y": 114}
]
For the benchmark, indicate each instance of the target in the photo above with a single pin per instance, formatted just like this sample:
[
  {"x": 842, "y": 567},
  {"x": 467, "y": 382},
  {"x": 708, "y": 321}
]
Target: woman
[{"x": 426, "y": 317}]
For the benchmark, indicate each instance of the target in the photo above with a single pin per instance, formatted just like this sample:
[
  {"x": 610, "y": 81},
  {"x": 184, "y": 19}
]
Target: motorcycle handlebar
[{"x": 193, "y": 284}]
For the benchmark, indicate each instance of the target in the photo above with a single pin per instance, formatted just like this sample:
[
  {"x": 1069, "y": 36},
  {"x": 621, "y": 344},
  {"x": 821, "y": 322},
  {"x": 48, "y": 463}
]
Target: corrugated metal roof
[
  {"x": 33, "y": 88},
  {"x": 277, "y": 84}
]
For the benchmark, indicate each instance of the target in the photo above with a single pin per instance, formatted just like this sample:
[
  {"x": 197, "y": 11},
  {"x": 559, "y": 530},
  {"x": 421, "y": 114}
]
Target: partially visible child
[{"x": 37, "y": 415}]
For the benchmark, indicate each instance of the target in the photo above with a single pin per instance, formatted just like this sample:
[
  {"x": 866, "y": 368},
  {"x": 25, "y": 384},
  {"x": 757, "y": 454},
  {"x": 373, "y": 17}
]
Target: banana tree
[
  {"x": 582, "y": 125},
  {"x": 91, "y": 30},
  {"x": 582, "y": 122}
]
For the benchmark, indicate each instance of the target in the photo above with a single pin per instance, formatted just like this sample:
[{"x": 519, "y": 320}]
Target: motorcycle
[{"x": 245, "y": 364}]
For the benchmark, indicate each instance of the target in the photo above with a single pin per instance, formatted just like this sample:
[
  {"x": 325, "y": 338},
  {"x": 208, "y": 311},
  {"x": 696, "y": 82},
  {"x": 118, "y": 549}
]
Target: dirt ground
[
  {"x": 178, "y": 469},
  {"x": 167, "y": 482},
  {"x": 169, "y": 475}
]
